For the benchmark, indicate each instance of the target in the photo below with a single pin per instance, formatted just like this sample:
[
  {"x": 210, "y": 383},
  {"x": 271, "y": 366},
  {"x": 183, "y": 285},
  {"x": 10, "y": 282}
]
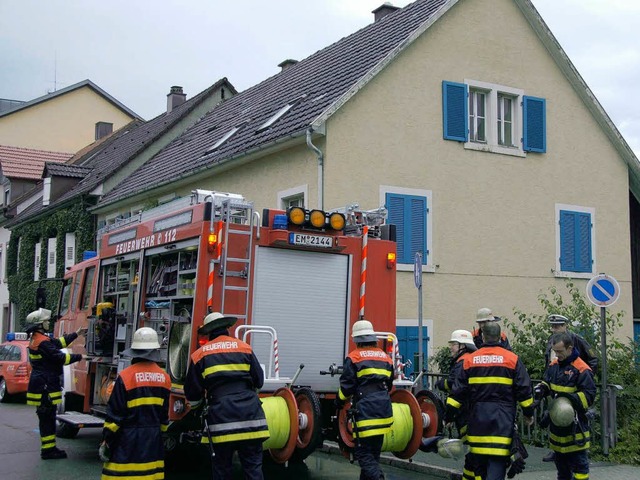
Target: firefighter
[
  {"x": 559, "y": 324},
  {"x": 227, "y": 373},
  {"x": 44, "y": 390},
  {"x": 492, "y": 381},
  {"x": 366, "y": 379},
  {"x": 570, "y": 377},
  {"x": 137, "y": 414},
  {"x": 461, "y": 346},
  {"x": 484, "y": 317}
]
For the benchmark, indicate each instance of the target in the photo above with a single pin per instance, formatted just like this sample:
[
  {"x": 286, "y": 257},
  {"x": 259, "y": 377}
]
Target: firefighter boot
[{"x": 53, "y": 454}]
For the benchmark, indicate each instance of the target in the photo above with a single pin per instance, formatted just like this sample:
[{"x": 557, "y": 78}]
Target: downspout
[{"x": 320, "y": 156}]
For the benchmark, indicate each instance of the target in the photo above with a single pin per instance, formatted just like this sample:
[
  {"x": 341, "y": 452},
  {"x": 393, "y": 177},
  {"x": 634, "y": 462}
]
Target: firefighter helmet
[
  {"x": 561, "y": 412},
  {"x": 144, "y": 345},
  {"x": 39, "y": 316},
  {"x": 216, "y": 321},
  {"x": 451, "y": 448},
  {"x": 362, "y": 332},
  {"x": 464, "y": 337},
  {"x": 485, "y": 314}
]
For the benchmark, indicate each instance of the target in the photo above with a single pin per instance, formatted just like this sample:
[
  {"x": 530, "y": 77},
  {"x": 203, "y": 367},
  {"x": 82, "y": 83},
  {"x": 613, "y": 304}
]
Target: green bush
[{"x": 529, "y": 335}]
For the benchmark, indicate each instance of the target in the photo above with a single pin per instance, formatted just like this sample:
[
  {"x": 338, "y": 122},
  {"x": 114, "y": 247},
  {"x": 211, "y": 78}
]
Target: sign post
[
  {"x": 603, "y": 290},
  {"x": 417, "y": 277}
]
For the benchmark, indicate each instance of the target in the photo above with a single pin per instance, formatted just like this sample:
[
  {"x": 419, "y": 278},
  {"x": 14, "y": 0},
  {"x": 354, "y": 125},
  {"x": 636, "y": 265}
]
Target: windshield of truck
[
  {"x": 88, "y": 283},
  {"x": 64, "y": 297}
]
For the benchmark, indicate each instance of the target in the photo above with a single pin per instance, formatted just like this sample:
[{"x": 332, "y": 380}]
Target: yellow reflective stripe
[
  {"x": 34, "y": 396},
  {"x": 164, "y": 428},
  {"x": 56, "y": 401},
  {"x": 67, "y": 358},
  {"x": 454, "y": 403},
  {"x": 583, "y": 400},
  {"x": 374, "y": 371},
  {"x": 571, "y": 448},
  {"x": 233, "y": 437},
  {"x": 48, "y": 438},
  {"x": 138, "y": 402},
  {"x": 33, "y": 356},
  {"x": 231, "y": 367},
  {"x": 489, "y": 439},
  {"x": 114, "y": 427},
  {"x": 152, "y": 476},
  {"x": 133, "y": 467},
  {"x": 484, "y": 380},
  {"x": 55, "y": 395},
  {"x": 561, "y": 388},
  {"x": 569, "y": 438},
  {"x": 500, "y": 452},
  {"x": 580, "y": 476},
  {"x": 371, "y": 433},
  {"x": 63, "y": 342},
  {"x": 374, "y": 422},
  {"x": 341, "y": 395},
  {"x": 526, "y": 403}
]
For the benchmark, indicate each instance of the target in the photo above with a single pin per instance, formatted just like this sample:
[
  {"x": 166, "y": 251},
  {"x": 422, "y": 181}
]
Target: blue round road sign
[{"x": 603, "y": 290}]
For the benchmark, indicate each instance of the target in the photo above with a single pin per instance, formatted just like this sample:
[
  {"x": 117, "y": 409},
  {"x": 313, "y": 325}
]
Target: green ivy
[{"x": 22, "y": 287}]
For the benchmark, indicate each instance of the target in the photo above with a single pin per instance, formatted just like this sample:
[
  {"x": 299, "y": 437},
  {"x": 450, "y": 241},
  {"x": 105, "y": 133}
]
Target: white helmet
[
  {"x": 561, "y": 412},
  {"x": 39, "y": 316},
  {"x": 362, "y": 332},
  {"x": 464, "y": 337},
  {"x": 145, "y": 338},
  {"x": 484, "y": 314},
  {"x": 216, "y": 321}
]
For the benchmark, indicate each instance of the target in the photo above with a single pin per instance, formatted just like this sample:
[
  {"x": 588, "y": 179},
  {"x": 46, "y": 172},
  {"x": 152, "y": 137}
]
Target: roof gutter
[{"x": 320, "y": 157}]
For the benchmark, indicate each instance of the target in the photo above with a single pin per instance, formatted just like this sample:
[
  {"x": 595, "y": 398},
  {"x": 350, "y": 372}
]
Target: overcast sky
[{"x": 136, "y": 49}]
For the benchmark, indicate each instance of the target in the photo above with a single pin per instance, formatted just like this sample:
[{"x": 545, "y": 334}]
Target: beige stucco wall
[
  {"x": 62, "y": 124},
  {"x": 494, "y": 237},
  {"x": 494, "y": 232}
]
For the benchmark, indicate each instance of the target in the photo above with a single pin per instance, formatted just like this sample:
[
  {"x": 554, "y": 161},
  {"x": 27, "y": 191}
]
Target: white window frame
[
  {"x": 403, "y": 267},
  {"x": 575, "y": 208},
  {"x": 492, "y": 91},
  {"x": 284, "y": 196},
  {"x": 37, "y": 258}
]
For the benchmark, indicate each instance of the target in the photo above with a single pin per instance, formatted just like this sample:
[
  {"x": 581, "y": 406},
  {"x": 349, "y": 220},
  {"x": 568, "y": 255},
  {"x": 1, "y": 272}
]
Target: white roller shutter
[
  {"x": 69, "y": 249},
  {"x": 36, "y": 262},
  {"x": 51, "y": 257},
  {"x": 303, "y": 295}
]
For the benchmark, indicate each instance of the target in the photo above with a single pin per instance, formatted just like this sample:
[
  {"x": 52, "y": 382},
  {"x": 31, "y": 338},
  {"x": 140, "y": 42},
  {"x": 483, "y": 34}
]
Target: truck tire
[{"x": 310, "y": 437}]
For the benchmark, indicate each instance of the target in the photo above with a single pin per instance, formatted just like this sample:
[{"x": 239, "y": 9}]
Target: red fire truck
[{"x": 296, "y": 280}]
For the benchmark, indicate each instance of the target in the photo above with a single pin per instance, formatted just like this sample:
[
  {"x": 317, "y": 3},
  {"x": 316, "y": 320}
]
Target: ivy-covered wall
[{"x": 22, "y": 287}]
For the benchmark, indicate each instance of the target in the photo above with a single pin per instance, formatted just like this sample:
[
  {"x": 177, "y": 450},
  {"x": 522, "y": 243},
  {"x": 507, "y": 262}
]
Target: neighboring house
[
  {"x": 68, "y": 190},
  {"x": 496, "y": 162},
  {"x": 20, "y": 170},
  {"x": 65, "y": 120}
]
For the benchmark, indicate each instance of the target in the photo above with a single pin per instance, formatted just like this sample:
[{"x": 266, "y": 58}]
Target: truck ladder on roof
[{"x": 232, "y": 211}]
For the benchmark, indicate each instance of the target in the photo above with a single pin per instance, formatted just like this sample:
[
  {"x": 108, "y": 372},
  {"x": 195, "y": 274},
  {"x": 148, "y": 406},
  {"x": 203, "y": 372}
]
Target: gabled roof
[
  {"x": 319, "y": 85},
  {"x": 112, "y": 154},
  {"x": 65, "y": 170},
  {"x": 26, "y": 163},
  {"x": 70, "y": 88}
]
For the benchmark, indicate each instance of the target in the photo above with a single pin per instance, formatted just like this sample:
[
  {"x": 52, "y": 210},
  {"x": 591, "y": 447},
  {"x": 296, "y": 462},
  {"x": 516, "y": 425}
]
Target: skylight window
[
  {"x": 274, "y": 117},
  {"x": 227, "y": 136}
]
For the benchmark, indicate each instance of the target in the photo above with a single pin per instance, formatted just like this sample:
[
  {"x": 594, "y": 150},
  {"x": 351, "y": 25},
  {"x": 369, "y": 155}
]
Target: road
[{"x": 20, "y": 457}]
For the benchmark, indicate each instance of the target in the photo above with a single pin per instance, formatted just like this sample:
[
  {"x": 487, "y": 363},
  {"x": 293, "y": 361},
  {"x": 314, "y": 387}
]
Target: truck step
[{"x": 81, "y": 420}]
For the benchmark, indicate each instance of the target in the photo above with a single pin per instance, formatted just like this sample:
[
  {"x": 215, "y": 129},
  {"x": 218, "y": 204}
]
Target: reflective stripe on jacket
[
  {"x": 573, "y": 379},
  {"x": 491, "y": 381},
  {"x": 367, "y": 376},
  {"x": 229, "y": 372},
  {"x": 137, "y": 414}
]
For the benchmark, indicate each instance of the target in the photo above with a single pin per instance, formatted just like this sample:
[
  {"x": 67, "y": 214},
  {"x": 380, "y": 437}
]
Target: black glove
[
  {"x": 540, "y": 391},
  {"x": 545, "y": 420},
  {"x": 440, "y": 385},
  {"x": 338, "y": 404},
  {"x": 517, "y": 466},
  {"x": 450, "y": 414}
]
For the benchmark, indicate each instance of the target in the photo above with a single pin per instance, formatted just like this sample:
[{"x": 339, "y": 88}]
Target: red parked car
[{"x": 14, "y": 366}]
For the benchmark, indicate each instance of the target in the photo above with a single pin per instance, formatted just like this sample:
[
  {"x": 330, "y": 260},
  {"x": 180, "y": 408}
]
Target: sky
[{"x": 136, "y": 50}]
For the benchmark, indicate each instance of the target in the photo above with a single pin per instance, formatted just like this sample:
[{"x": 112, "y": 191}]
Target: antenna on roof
[{"x": 55, "y": 72}]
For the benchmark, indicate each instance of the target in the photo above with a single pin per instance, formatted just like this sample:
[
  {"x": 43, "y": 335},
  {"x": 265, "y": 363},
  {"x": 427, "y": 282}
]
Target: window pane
[
  {"x": 86, "y": 294},
  {"x": 508, "y": 136},
  {"x": 481, "y": 130},
  {"x": 507, "y": 109}
]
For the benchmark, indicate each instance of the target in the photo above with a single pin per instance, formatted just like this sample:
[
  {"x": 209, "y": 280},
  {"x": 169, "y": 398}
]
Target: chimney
[
  {"x": 383, "y": 10},
  {"x": 175, "y": 98},
  {"x": 289, "y": 62}
]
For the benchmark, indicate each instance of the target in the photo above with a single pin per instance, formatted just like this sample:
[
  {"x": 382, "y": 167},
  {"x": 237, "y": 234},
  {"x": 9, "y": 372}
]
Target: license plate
[{"x": 305, "y": 240}]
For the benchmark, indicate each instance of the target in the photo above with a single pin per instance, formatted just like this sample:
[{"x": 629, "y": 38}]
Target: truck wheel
[
  {"x": 66, "y": 430},
  {"x": 4, "y": 396},
  {"x": 310, "y": 435}
]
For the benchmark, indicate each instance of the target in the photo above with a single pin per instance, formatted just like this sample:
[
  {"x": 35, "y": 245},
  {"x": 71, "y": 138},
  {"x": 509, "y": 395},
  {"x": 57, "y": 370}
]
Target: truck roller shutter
[{"x": 303, "y": 295}]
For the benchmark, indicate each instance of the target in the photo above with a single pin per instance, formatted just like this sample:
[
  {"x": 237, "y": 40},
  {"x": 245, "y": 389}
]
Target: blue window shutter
[
  {"x": 455, "y": 117},
  {"x": 575, "y": 242},
  {"x": 409, "y": 214},
  {"x": 534, "y": 124}
]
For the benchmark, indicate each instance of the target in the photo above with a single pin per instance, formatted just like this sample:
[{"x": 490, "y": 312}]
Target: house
[
  {"x": 65, "y": 120},
  {"x": 67, "y": 190},
  {"x": 494, "y": 160}
]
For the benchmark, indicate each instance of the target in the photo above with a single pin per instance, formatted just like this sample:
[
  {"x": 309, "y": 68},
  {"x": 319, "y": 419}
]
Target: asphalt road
[{"x": 20, "y": 457}]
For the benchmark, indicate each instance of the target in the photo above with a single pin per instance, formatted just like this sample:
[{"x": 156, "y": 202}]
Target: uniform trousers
[
  {"x": 491, "y": 467},
  {"x": 367, "y": 453},
  {"x": 46, "y": 412},
  {"x": 572, "y": 465},
  {"x": 250, "y": 454}
]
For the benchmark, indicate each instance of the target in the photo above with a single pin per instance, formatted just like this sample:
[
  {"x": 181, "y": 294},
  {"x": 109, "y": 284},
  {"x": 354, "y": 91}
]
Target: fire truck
[{"x": 296, "y": 280}]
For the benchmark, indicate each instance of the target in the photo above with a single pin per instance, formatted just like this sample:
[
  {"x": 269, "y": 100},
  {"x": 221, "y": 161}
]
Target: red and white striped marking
[
  {"x": 363, "y": 270},
  {"x": 276, "y": 361}
]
